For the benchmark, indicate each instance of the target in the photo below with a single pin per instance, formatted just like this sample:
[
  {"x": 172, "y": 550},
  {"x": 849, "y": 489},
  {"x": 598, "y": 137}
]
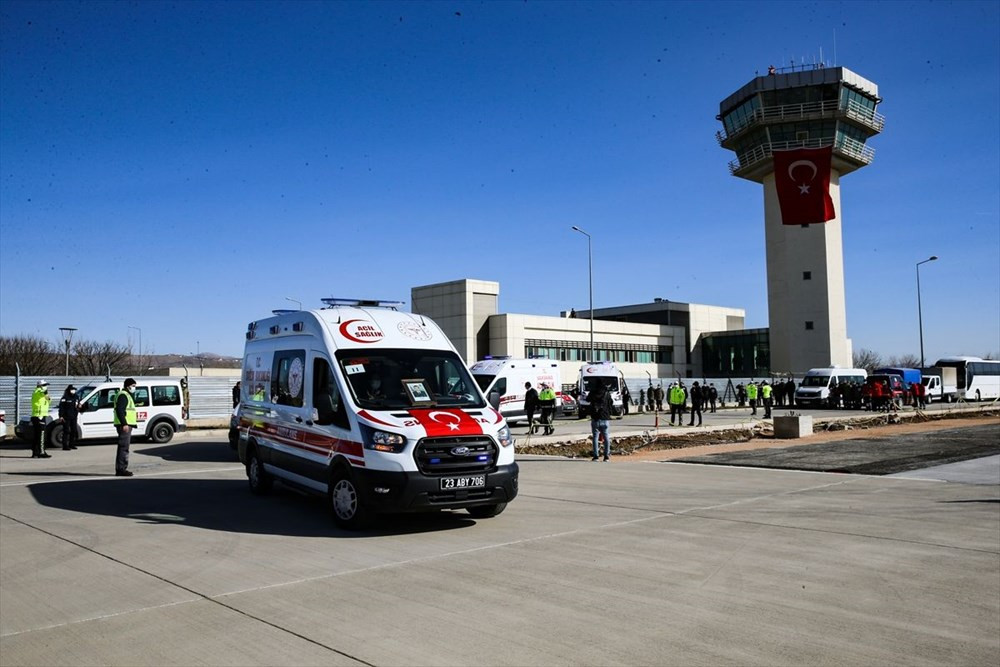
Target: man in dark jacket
[
  {"x": 530, "y": 403},
  {"x": 600, "y": 419},
  {"x": 696, "y": 399},
  {"x": 69, "y": 411}
]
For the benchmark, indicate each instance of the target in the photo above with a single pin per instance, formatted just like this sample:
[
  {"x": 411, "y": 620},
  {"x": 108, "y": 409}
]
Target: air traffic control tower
[{"x": 790, "y": 108}]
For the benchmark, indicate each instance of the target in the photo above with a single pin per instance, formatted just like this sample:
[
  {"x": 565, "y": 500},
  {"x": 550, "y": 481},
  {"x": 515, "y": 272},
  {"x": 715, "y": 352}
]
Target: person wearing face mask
[
  {"x": 375, "y": 387},
  {"x": 125, "y": 421},
  {"x": 40, "y": 402},
  {"x": 69, "y": 411}
]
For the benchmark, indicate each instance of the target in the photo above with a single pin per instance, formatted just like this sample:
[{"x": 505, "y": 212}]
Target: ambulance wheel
[
  {"x": 55, "y": 436},
  {"x": 349, "y": 511},
  {"x": 486, "y": 511},
  {"x": 162, "y": 432},
  {"x": 260, "y": 481}
]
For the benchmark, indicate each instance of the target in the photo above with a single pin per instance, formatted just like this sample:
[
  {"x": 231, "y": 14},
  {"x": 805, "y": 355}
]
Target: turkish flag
[
  {"x": 438, "y": 422},
  {"x": 802, "y": 177}
]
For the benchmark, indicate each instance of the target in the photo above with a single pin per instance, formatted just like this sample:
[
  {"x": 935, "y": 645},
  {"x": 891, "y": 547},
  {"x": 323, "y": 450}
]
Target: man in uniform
[
  {"x": 40, "y": 402},
  {"x": 765, "y": 392},
  {"x": 125, "y": 421},
  {"x": 547, "y": 403},
  {"x": 752, "y": 396}
]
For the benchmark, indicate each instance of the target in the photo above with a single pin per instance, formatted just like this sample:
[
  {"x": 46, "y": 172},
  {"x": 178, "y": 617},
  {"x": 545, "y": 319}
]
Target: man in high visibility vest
[
  {"x": 547, "y": 403},
  {"x": 675, "y": 397},
  {"x": 125, "y": 421},
  {"x": 752, "y": 396},
  {"x": 39, "y": 411},
  {"x": 765, "y": 393}
]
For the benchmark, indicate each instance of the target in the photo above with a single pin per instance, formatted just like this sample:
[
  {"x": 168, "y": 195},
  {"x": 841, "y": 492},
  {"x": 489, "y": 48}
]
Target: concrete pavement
[{"x": 594, "y": 563}]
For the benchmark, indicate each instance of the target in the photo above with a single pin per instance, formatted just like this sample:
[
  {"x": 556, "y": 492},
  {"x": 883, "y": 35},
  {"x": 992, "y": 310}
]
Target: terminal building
[{"x": 662, "y": 338}]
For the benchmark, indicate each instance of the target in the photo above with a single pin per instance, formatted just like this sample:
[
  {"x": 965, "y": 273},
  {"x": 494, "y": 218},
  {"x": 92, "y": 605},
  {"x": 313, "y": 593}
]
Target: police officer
[
  {"x": 765, "y": 393},
  {"x": 547, "y": 403},
  {"x": 697, "y": 398},
  {"x": 752, "y": 396},
  {"x": 125, "y": 421},
  {"x": 676, "y": 400},
  {"x": 40, "y": 402},
  {"x": 69, "y": 410}
]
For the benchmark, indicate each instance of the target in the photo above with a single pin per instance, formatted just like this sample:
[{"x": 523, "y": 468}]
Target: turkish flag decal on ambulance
[{"x": 446, "y": 422}]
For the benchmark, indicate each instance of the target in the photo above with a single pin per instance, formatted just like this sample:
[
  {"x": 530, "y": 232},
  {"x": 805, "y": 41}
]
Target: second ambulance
[{"x": 373, "y": 408}]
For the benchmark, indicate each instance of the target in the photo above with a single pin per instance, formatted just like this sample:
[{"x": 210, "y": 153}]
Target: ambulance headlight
[
  {"x": 382, "y": 441},
  {"x": 503, "y": 435}
]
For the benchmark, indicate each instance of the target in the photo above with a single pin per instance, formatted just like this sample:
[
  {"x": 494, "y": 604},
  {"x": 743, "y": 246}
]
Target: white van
[
  {"x": 604, "y": 372},
  {"x": 159, "y": 404},
  {"x": 502, "y": 379},
  {"x": 815, "y": 386},
  {"x": 373, "y": 408}
]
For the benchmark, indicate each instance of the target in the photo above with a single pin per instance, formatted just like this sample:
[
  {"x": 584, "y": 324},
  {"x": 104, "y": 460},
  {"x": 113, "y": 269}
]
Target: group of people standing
[
  {"x": 677, "y": 396},
  {"x": 125, "y": 420}
]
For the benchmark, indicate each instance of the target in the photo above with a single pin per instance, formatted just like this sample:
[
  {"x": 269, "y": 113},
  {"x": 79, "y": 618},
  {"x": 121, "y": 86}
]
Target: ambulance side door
[{"x": 330, "y": 420}]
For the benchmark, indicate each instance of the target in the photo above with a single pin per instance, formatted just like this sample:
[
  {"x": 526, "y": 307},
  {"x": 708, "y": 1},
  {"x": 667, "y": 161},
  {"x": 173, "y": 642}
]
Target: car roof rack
[{"x": 369, "y": 303}]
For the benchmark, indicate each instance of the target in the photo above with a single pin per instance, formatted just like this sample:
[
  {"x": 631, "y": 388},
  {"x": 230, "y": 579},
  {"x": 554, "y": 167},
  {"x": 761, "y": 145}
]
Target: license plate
[{"x": 471, "y": 482}]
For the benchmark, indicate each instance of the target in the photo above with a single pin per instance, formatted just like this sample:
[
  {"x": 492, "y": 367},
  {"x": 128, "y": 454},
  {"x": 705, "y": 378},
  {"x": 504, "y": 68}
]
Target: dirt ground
[{"x": 665, "y": 448}]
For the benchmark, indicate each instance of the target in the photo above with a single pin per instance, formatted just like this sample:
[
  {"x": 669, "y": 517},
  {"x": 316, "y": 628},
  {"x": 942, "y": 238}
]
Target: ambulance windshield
[{"x": 400, "y": 379}]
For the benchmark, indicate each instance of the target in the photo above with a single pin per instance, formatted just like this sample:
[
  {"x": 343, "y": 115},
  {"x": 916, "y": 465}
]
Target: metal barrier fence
[{"x": 207, "y": 396}]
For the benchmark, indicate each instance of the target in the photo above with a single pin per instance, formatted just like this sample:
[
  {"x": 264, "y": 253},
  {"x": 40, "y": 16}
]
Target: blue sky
[{"x": 184, "y": 167}]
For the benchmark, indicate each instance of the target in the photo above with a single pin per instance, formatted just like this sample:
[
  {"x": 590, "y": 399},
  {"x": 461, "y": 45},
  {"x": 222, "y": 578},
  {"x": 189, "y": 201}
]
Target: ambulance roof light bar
[{"x": 370, "y": 303}]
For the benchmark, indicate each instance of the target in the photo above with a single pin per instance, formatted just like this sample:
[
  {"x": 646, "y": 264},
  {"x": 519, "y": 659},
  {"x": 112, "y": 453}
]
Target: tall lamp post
[
  {"x": 920, "y": 314},
  {"x": 140, "y": 346},
  {"x": 288, "y": 298},
  {"x": 67, "y": 334},
  {"x": 590, "y": 273}
]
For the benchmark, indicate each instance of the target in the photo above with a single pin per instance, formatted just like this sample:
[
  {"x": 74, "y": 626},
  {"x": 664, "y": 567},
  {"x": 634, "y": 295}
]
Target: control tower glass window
[{"x": 741, "y": 116}]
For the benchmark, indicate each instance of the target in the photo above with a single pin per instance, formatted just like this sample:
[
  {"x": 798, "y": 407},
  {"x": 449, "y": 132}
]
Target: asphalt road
[{"x": 594, "y": 563}]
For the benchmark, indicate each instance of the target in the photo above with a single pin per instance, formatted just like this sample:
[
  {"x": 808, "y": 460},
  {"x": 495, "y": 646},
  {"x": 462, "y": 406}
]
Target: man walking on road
[
  {"x": 530, "y": 405},
  {"x": 125, "y": 421},
  {"x": 600, "y": 419}
]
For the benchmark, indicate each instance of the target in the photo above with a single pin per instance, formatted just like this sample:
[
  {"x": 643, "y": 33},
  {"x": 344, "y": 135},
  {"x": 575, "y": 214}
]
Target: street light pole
[
  {"x": 920, "y": 314},
  {"x": 67, "y": 334},
  {"x": 590, "y": 273},
  {"x": 288, "y": 298},
  {"x": 140, "y": 346}
]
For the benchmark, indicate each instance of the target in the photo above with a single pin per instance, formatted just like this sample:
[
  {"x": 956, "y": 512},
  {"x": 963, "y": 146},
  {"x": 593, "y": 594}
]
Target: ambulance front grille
[{"x": 459, "y": 455}]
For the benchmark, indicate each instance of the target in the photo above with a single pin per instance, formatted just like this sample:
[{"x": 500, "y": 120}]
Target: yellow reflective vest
[
  {"x": 40, "y": 402},
  {"x": 130, "y": 416}
]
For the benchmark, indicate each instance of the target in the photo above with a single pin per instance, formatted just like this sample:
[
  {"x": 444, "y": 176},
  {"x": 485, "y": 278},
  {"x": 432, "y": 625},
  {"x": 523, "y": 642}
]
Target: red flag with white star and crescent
[
  {"x": 446, "y": 422},
  {"x": 802, "y": 178}
]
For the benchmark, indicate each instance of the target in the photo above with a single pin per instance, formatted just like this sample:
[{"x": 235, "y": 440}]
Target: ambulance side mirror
[{"x": 494, "y": 399}]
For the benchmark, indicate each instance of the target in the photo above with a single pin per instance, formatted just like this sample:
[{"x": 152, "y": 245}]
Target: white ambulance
[
  {"x": 606, "y": 373},
  {"x": 372, "y": 407},
  {"x": 502, "y": 379}
]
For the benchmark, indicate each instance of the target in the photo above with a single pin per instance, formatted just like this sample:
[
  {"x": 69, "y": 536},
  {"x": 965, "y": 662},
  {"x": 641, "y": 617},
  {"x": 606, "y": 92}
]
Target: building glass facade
[{"x": 744, "y": 353}]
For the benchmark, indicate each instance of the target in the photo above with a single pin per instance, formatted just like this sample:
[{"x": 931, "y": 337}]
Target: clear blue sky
[{"x": 184, "y": 167}]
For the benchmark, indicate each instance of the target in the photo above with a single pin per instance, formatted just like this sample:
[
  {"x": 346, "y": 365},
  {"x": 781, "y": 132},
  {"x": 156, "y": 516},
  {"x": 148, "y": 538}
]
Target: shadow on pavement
[
  {"x": 225, "y": 505},
  {"x": 201, "y": 451}
]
